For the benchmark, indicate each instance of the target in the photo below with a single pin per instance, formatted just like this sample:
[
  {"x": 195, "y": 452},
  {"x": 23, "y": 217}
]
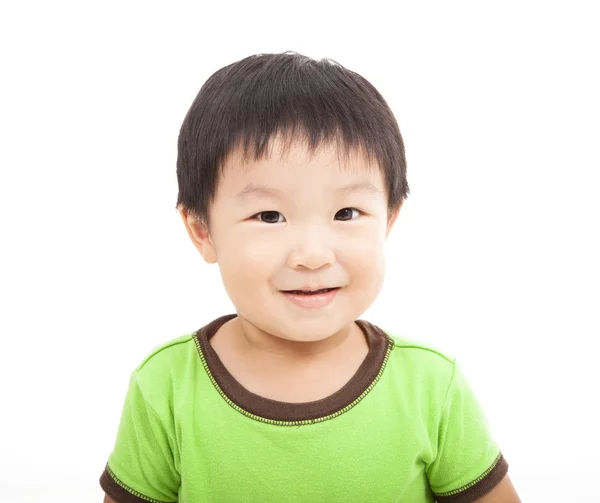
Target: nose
[{"x": 312, "y": 249}]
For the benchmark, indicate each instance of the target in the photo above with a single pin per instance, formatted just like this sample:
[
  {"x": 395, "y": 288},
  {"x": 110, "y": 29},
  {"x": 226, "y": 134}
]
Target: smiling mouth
[{"x": 302, "y": 292}]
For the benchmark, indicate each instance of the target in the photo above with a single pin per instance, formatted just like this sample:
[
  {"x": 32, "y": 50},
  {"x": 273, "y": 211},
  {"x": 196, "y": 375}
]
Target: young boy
[{"x": 291, "y": 176}]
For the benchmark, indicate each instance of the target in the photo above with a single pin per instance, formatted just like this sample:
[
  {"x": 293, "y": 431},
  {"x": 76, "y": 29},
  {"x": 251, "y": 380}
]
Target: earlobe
[{"x": 199, "y": 235}]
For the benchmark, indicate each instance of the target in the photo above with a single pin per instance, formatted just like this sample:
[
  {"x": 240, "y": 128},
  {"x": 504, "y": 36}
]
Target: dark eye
[
  {"x": 348, "y": 211},
  {"x": 272, "y": 215}
]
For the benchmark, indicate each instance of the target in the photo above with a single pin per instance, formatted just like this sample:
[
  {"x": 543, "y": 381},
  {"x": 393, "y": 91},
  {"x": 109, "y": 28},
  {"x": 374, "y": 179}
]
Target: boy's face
[{"x": 308, "y": 236}]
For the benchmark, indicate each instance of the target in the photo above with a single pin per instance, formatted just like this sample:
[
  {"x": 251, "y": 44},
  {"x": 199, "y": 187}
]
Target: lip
[
  {"x": 314, "y": 301},
  {"x": 312, "y": 288}
]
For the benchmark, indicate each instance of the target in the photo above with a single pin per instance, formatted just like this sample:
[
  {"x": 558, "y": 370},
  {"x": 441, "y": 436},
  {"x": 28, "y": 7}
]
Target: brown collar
[{"x": 380, "y": 345}]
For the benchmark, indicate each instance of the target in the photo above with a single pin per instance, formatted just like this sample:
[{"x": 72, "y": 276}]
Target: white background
[{"x": 494, "y": 258}]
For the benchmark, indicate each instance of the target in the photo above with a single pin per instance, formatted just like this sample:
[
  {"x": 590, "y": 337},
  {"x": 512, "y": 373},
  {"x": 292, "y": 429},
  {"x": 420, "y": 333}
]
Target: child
[{"x": 293, "y": 398}]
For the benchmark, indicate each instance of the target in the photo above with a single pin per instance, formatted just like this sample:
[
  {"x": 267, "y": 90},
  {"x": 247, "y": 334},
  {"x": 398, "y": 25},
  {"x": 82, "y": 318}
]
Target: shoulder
[
  {"x": 166, "y": 353},
  {"x": 421, "y": 352},
  {"x": 420, "y": 364},
  {"x": 165, "y": 366},
  {"x": 420, "y": 348}
]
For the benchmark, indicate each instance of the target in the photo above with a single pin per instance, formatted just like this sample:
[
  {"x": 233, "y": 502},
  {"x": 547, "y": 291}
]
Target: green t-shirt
[{"x": 405, "y": 428}]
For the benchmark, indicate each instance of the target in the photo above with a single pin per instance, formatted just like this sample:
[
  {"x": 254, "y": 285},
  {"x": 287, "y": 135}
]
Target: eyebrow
[{"x": 253, "y": 190}]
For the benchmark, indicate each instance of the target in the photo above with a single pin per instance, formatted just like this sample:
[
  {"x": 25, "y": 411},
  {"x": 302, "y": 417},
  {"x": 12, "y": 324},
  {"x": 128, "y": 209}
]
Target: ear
[
  {"x": 392, "y": 221},
  {"x": 198, "y": 233}
]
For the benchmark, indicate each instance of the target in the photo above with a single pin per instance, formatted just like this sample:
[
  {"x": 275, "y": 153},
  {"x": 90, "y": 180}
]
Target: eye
[
  {"x": 348, "y": 211},
  {"x": 271, "y": 215}
]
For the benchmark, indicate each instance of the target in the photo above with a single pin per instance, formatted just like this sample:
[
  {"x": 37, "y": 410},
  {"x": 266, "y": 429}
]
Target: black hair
[{"x": 248, "y": 102}]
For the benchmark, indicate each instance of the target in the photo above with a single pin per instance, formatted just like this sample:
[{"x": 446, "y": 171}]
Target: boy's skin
[{"x": 274, "y": 348}]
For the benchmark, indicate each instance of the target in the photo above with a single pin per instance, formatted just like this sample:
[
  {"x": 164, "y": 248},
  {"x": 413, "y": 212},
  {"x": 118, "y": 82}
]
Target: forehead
[{"x": 294, "y": 165}]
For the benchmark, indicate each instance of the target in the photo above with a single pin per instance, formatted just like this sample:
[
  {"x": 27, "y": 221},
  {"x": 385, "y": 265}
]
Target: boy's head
[{"x": 303, "y": 129}]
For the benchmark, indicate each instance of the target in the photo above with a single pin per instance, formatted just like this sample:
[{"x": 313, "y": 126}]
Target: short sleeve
[
  {"x": 469, "y": 462},
  {"x": 141, "y": 467}
]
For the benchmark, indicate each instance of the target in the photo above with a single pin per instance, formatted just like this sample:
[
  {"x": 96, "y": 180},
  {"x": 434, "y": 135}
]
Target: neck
[{"x": 260, "y": 343}]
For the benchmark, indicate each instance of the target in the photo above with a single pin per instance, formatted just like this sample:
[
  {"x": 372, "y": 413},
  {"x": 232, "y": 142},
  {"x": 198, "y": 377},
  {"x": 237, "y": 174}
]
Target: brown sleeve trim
[
  {"x": 483, "y": 486},
  {"x": 120, "y": 492}
]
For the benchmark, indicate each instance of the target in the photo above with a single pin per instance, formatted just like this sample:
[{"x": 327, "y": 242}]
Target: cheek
[
  {"x": 366, "y": 264},
  {"x": 373, "y": 264},
  {"x": 252, "y": 247},
  {"x": 246, "y": 265},
  {"x": 364, "y": 247},
  {"x": 257, "y": 253},
  {"x": 239, "y": 249}
]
